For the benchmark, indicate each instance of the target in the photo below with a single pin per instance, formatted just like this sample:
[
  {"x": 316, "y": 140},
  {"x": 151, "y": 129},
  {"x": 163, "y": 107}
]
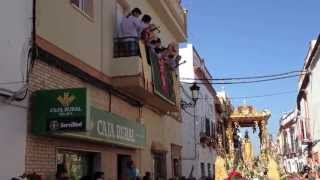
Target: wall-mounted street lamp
[
  {"x": 194, "y": 96},
  {"x": 195, "y": 92}
]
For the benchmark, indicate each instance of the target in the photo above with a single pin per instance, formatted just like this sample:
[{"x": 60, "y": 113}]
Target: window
[
  {"x": 302, "y": 129},
  {"x": 176, "y": 162},
  {"x": 176, "y": 168},
  {"x": 292, "y": 146},
  {"x": 203, "y": 173},
  {"x": 285, "y": 143},
  {"x": 207, "y": 127},
  {"x": 202, "y": 124},
  {"x": 85, "y": 6},
  {"x": 209, "y": 170},
  {"x": 213, "y": 129}
]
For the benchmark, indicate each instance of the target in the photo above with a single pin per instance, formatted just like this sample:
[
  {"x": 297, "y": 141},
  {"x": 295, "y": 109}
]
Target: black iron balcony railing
[{"x": 126, "y": 47}]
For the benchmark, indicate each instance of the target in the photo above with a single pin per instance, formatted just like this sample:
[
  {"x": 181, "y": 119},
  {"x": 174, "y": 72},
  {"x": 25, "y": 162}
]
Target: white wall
[
  {"x": 186, "y": 70},
  {"x": 204, "y": 108},
  {"x": 314, "y": 100},
  {"x": 202, "y": 154},
  {"x": 189, "y": 152},
  {"x": 15, "y": 36},
  {"x": 303, "y": 116},
  {"x": 12, "y": 139}
]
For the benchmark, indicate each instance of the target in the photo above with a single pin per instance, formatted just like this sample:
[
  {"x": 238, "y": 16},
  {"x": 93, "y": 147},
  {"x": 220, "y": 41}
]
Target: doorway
[
  {"x": 159, "y": 166},
  {"x": 122, "y": 166}
]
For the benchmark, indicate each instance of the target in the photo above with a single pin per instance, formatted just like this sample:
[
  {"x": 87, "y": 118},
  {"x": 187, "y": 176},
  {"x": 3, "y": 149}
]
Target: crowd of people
[{"x": 310, "y": 171}]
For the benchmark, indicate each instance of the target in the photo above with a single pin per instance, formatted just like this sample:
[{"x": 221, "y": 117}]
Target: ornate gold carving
[{"x": 249, "y": 111}]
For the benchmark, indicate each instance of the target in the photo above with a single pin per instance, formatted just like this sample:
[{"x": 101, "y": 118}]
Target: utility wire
[
  {"x": 258, "y": 96},
  {"x": 247, "y": 82},
  {"x": 249, "y": 77},
  {"x": 265, "y": 95}
]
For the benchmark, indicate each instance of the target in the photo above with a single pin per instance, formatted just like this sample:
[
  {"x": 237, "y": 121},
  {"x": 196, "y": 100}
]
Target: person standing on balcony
[{"x": 131, "y": 25}]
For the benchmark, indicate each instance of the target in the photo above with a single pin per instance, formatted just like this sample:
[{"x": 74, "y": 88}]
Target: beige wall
[
  {"x": 89, "y": 39},
  {"x": 109, "y": 23},
  {"x": 146, "y": 8},
  {"x": 65, "y": 26},
  {"x": 173, "y": 135},
  {"x": 153, "y": 124}
]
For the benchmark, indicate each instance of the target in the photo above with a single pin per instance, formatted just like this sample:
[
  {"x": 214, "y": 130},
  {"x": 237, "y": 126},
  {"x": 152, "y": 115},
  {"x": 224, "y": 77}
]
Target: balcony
[{"x": 137, "y": 71}]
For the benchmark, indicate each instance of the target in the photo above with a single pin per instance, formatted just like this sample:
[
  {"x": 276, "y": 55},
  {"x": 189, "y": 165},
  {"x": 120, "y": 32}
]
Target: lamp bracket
[{"x": 185, "y": 104}]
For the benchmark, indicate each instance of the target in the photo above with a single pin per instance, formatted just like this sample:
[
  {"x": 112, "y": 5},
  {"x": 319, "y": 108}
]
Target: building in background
[
  {"x": 298, "y": 137},
  {"x": 290, "y": 145},
  {"x": 308, "y": 101},
  {"x": 15, "y": 54},
  {"x": 98, "y": 104},
  {"x": 198, "y": 117},
  {"x": 224, "y": 109}
]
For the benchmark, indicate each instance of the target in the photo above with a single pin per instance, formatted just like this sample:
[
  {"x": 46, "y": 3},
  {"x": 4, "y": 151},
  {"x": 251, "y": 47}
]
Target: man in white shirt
[{"x": 131, "y": 25}]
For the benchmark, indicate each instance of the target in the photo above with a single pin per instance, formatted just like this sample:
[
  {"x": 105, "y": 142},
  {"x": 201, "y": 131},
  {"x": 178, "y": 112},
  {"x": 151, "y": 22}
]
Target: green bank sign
[
  {"x": 115, "y": 129},
  {"x": 60, "y": 110},
  {"x": 67, "y": 113}
]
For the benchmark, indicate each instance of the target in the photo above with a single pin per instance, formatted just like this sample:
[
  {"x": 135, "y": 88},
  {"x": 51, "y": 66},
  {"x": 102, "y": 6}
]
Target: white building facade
[
  {"x": 290, "y": 143},
  {"x": 15, "y": 54},
  {"x": 308, "y": 101},
  {"x": 198, "y": 153}
]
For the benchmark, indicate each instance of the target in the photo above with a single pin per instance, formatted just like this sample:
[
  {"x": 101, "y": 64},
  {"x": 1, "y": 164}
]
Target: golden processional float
[{"x": 237, "y": 158}]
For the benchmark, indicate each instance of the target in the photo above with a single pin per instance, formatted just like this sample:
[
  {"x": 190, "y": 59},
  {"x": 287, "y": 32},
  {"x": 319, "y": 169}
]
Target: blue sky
[{"x": 254, "y": 37}]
